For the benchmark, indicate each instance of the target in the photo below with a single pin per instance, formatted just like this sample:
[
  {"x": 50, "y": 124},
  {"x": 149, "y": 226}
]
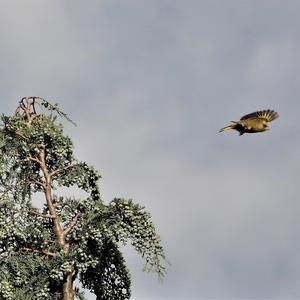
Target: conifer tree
[{"x": 44, "y": 250}]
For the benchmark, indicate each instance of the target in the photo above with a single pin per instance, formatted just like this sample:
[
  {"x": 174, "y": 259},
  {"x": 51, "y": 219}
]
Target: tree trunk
[{"x": 68, "y": 292}]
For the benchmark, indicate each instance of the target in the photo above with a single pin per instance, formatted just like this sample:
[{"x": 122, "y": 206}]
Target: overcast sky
[{"x": 150, "y": 83}]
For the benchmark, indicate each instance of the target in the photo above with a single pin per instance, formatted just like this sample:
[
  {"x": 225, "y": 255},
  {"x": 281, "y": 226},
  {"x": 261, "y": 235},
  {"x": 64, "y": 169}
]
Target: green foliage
[
  {"x": 33, "y": 262},
  {"x": 26, "y": 276}
]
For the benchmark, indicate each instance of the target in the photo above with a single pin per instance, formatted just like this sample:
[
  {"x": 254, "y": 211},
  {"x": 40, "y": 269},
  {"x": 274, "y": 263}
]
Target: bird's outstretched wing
[{"x": 268, "y": 115}]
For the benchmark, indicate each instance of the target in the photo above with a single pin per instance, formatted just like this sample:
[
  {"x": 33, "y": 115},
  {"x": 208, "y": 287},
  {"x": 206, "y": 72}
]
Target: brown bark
[
  {"x": 24, "y": 249},
  {"x": 60, "y": 233},
  {"x": 28, "y": 107},
  {"x": 68, "y": 292}
]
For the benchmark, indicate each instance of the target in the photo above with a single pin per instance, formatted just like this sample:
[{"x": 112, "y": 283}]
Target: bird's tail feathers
[{"x": 231, "y": 126}]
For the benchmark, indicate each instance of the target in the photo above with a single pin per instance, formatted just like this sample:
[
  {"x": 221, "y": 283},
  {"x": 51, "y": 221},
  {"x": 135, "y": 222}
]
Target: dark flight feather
[{"x": 268, "y": 115}]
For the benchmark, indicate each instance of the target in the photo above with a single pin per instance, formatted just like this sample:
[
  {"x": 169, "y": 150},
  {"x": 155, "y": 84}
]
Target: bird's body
[{"x": 254, "y": 122}]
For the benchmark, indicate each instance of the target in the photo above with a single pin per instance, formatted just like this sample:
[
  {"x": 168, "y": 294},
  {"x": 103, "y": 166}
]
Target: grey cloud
[{"x": 149, "y": 84}]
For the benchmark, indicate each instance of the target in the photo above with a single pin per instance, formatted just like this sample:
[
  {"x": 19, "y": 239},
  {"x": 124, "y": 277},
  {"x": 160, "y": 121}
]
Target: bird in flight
[{"x": 254, "y": 122}]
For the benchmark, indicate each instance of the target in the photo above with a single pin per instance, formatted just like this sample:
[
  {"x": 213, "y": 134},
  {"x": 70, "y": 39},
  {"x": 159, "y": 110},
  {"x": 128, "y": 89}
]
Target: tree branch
[
  {"x": 25, "y": 250},
  {"x": 71, "y": 225},
  {"x": 34, "y": 159},
  {"x": 57, "y": 171},
  {"x": 17, "y": 133},
  {"x": 26, "y": 104},
  {"x": 47, "y": 216},
  {"x": 33, "y": 212},
  {"x": 38, "y": 183},
  {"x": 48, "y": 195},
  {"x": 28, "y": 182},
  {"x": 20, "y": 135}
]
